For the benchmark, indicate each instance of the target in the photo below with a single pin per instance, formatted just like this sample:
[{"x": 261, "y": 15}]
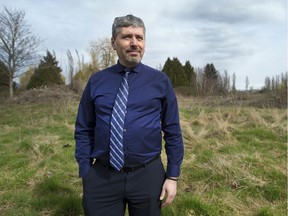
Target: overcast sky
[{"x": 245, "y": 37}]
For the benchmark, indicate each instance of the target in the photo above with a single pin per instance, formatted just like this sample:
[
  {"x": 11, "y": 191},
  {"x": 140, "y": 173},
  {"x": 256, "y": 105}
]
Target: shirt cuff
[{"x": 173, "y": 170}]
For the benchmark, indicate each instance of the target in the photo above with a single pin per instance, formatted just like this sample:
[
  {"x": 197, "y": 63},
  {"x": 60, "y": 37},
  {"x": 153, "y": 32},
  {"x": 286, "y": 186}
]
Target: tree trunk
[{"x": 11, "y": 88}]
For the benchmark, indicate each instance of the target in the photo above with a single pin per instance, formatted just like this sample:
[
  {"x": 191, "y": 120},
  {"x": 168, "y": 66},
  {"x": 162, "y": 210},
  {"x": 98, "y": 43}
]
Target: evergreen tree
[
  {"x": 210, "y": 79},
  {"x": 47, "y": 73},
  {"x": 4, "y": 77},
  {"x": 210, "y": 72},
  {"x": 190, "y": 76},
  {"x": 167, "y": 68},
  {"x": 175, "y": 71}
]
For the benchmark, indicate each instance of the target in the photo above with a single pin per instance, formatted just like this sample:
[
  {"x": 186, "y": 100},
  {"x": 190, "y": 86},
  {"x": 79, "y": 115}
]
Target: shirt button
[
  {"x": 125, "y": 111},
  {"x": 124, "y": 130}
]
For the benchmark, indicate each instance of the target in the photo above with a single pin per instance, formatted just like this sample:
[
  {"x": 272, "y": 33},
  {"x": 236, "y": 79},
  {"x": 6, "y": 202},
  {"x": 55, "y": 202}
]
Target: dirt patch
[{"x": 47, "y": 95}]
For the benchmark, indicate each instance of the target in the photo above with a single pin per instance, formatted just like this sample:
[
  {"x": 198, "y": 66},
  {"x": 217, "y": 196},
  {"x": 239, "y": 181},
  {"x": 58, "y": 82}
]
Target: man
[{"x": 123, "y": 111}]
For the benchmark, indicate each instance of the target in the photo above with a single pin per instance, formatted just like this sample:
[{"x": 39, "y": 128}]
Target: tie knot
[{"x": 127, "y": 72}]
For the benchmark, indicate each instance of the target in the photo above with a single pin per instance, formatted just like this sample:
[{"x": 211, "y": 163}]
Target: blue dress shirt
[{"x": 151, "y": 109}]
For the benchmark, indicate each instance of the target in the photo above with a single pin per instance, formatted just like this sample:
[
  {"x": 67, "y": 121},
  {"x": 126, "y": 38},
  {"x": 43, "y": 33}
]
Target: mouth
[{"x": 133, "y": 52}]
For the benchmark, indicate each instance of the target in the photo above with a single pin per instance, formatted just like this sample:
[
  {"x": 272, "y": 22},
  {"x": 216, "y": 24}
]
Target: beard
[
  {"x": 133, "y": 60},
  {"x": 128, "y": 59}
]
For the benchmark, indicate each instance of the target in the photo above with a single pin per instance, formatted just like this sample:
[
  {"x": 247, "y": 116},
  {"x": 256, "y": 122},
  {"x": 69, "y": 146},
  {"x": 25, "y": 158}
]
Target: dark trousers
[{"x": 107, "y": 192}]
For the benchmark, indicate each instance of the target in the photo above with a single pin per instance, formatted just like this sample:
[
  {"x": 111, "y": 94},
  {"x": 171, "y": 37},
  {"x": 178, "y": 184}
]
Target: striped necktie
[{"x": 117, "y": 124}]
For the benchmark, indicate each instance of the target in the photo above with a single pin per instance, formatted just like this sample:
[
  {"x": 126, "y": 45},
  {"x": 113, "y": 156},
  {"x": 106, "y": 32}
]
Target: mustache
[{"x": 133, "y": 49}]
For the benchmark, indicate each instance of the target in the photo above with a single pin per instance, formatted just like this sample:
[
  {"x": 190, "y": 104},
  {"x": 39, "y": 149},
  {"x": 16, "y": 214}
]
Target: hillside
[{"x": 62, "y": 93}]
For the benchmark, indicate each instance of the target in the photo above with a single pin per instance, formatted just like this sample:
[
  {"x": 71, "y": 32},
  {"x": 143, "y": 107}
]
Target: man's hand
[{"x": 169, "y": 190}]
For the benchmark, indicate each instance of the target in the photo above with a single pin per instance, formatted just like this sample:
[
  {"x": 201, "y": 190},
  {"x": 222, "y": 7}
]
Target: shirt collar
[{"x": 121, "y": 68}]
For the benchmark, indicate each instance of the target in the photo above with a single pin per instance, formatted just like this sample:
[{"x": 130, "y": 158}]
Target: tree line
[
  {"x": 209, "y": 81},
  {"x": 199, "y": 81},
  {"x": 18, "y": 49}
]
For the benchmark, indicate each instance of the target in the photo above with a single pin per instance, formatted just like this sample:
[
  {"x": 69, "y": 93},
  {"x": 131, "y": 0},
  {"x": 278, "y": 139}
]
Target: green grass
[
  {"x": 39, "y": 173},
  {"x": 235, "y": 161}
]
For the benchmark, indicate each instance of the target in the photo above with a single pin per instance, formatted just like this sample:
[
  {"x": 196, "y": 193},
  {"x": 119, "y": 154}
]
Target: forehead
[{"x": 131, "y": 30}]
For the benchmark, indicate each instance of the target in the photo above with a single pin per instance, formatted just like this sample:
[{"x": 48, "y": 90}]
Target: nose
[{"x": 133, "y": 41}]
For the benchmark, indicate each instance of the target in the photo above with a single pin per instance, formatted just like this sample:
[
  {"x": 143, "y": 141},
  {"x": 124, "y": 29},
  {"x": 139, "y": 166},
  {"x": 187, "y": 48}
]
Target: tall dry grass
[{"x": 230, "y": 153}]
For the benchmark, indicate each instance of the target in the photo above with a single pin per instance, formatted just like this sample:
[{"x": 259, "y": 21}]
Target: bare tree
[
  {"x": 234, "y": 83},
  {"x": 226, "y": 82},
  {"x": 199, "y": 80},
  {"x": 71, "y": 67},
  {"x": 267, "y": 86},
  {"x": 102, "y": 53},
  {"x": 18, "y": 45},
  {"x": 246, "y": 83}
]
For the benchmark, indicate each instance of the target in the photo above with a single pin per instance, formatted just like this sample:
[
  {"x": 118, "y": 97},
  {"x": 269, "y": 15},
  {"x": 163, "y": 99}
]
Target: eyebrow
[{"x": 130, "y": 34}]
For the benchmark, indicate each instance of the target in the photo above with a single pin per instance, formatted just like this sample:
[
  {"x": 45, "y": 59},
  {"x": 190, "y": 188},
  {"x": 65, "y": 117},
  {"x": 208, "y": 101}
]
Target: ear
[{"x": 113, "y": 43}]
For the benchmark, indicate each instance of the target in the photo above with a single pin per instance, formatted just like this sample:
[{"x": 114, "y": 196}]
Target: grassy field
[{"x": 235, "y": 161}]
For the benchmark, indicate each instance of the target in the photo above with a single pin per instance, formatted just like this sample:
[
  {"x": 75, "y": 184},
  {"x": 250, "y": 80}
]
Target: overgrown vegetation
[
  {"x": 47, "y": 73},
  {"x": 235, "y": 159}
]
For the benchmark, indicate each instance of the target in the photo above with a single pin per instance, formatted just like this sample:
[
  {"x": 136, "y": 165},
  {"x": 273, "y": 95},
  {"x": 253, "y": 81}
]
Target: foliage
[
  {"x": 5, "y": 81},
  {"x": 102, "y": 53},
  {"x": 18, "y": 45},
  {"x": 276, "y": 89},
  {"x": 188, "y": 81},
  {"x": 47, "y": 73},
  {"x": 81, "y": 78},
  {"x": 4, "y": 77},
  {"x": 179, "y": 75},
  {"x": 26, "y": 77},
  {"x": 207, "y": 81},
  {"x": 190, "y": 76},
  {"x": 71, "y": 67},
  {"x": 102, "y": 56},
  {"x": 210, "y": 79}
]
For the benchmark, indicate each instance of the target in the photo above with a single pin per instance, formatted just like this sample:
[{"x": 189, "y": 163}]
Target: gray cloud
[
  {"x": 246, "y": 37},
  {"x": 230, "y": 11},
  {"x": 222, "y": 43}
]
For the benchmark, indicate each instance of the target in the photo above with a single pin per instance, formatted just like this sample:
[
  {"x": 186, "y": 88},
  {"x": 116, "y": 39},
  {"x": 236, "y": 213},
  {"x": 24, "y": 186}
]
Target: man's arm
[
  {"x": 84, "y": 131},
  {"x": 173, "y": 144},
  {"x": 172, "y": 132}
]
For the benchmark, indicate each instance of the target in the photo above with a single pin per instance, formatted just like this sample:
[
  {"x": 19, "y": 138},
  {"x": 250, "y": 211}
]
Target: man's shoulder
[
  {"x": 106, "y": 71},
  {"x": 150, "y": 69}
]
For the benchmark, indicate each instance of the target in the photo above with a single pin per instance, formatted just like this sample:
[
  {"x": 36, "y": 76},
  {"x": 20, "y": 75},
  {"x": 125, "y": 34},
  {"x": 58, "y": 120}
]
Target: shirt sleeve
[
  {"x": 84, "y": 131},
  {"x": 172, "y": 132}
]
